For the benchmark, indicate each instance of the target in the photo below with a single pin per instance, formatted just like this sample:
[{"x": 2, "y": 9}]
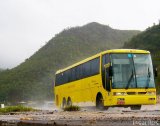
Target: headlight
[
  {"x": 119, "y": 93},
  {"x": 151, "y": 93}
]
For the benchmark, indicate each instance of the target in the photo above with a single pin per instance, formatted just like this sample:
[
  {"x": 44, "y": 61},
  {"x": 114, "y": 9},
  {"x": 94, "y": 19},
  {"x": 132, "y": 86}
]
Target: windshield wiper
[
  {"x": 129, "y": 81},
  {"x": 148, "y": 78}
]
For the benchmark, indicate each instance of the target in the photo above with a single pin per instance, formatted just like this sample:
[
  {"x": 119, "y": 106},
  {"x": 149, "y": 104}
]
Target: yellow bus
[{"x": 119, "y": 77}]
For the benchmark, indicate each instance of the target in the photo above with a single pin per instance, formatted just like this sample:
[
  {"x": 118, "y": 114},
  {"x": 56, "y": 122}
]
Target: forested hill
[
  {"x": 149, "y": 40},
  {"x": 1, "y": 69},
  {"x": 33, "y": 79}
]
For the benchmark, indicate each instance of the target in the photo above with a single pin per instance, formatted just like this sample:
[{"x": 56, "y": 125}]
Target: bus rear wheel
[
  {"x": 64, "y": 103},
  {"x": 136, "y": 107},
  {"x": 69, "y": 102}
]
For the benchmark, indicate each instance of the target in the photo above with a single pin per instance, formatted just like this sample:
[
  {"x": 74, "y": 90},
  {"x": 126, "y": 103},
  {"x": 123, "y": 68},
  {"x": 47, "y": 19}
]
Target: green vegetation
[
  {"x": 149, "y": 40},
  {"x": 33, "y": 79},
  {"x": 72, "y": 108},
  {"x": 1, "y": 70},
  {"x": 15, "y": 109}
]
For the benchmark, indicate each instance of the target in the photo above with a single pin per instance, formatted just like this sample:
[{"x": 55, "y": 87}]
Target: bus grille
[
  {"x": 131, "y": 93},
  {"x": 142, "y": 93}
]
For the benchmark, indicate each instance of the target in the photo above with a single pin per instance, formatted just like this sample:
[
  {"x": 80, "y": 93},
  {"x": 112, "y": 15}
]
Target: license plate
[{"x": 120, "y": 102}]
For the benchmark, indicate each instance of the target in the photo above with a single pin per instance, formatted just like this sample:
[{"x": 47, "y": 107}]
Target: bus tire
[
  {"x": 69, "y": 102},
  {"x": 99, "y": 102},
  {"x": 64, "y": 103},
  {"x": 135, "y": 107}
]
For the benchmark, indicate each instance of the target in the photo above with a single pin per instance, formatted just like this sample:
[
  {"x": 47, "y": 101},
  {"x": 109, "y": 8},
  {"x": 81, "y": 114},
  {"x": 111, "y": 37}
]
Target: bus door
[
  {"x": 107, "y": 84},
  {"x": 106, "y": 72}
]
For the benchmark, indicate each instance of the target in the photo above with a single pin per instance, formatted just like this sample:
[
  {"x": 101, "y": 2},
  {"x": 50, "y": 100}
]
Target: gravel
[{"x": 148, "y": 115}]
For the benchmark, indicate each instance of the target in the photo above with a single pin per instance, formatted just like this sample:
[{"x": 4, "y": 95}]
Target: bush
[
  {"x": 72, "y": 108},
  {"x": 15, "y": 109}
]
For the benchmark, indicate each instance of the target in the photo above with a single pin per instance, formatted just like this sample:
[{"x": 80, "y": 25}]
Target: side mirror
[
  {"x": 109, "y": 67},
  {"x": 155, "y": 71}
]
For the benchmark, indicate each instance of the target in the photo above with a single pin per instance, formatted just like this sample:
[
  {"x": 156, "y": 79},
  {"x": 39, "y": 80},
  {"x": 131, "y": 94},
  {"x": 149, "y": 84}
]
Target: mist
[{"x": 26, "y": 25}]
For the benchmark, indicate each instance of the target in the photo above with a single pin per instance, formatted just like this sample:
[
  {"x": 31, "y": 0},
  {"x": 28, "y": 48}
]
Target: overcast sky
[{"x": 26, "y": 25}]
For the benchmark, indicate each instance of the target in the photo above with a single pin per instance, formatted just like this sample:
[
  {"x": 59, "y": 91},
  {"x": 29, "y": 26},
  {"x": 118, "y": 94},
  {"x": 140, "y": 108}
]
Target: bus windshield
[{"x": 132, "y": 71}]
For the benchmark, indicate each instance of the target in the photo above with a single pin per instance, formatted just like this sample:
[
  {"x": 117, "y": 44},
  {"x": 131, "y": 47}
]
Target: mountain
[
  {"x": 148, "y": 40},
  {"x": 33, "y": 79}
]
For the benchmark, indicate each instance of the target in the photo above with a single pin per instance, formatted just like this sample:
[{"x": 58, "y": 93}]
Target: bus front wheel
[
  {"x": 99, "y": 102},
  {"x": 136, "y": 107},
  {"x": 64, "y": 103}
]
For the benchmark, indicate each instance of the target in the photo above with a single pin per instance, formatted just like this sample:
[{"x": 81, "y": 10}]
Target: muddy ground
[{"x": 149, "y": 115}]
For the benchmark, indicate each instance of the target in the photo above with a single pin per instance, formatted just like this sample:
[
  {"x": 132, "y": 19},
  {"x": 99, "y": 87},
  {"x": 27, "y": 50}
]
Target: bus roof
[
  {"x": 125, "y": 51},
  {"x": 104, "y": 52}
]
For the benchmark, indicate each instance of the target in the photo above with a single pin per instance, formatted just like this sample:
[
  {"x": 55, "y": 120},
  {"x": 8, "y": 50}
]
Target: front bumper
[{"x": 130, "y": 100}]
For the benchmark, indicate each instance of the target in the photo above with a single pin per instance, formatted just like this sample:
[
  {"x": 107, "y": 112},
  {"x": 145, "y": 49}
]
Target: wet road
[{"x": 149, "y": 115}]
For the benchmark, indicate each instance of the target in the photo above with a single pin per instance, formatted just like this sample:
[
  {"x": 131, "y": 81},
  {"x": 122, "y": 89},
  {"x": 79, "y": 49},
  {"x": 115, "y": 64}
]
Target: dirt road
[{"x": 147, "y": 116}]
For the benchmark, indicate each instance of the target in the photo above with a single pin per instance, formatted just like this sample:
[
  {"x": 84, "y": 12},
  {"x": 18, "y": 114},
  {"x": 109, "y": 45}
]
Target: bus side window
[
  {"x": 73, "y": 74},
  {"x": 86, "y": 69},
  {"x": 95, "y": 66},
  {"x": 58, "y": 79},
  {"x": 79, "y": 73}
]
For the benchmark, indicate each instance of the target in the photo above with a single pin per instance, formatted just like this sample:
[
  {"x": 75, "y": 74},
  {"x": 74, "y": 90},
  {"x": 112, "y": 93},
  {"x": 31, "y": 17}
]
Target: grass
[
  {"x": 72, "y": 108},
  {"x": 15, "y": 109}
]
